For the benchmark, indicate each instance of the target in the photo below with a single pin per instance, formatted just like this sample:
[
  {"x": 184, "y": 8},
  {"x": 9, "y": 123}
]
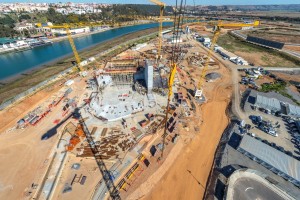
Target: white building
[
  {"x": 226, "y": 54},
  {"x": 240, "y": 61},
  {"x": 139, "y": 46},
  {"x": 23, "y": 26},
  {"x": 73, "y": 31}
]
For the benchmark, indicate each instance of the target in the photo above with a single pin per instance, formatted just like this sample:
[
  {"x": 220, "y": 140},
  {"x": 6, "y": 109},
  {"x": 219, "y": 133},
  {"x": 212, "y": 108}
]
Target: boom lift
[
  {"x": 161, "y": 13},
  {"x": 217, "y": 30}
]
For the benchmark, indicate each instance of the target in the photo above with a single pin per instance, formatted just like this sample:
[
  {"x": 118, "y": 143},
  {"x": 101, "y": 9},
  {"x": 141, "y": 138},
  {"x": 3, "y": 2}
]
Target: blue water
[{"x": 15, "y": 63}]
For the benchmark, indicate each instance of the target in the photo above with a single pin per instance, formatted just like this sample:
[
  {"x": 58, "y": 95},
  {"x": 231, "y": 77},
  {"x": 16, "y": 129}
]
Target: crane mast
[
  {"x": 67, "y": 28},
  {"x": 217, "y": 30},
  {"x": 161, "y": 13}
]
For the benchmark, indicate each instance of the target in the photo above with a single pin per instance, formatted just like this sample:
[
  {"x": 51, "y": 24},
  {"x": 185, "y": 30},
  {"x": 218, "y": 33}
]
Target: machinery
[
  {"x": 67, "y": 27},
  {"x": 174, "y": 59},
  {"x": 161, "y": 12},
  {"x": 112, "y": 190},
  {"x": 217, "y": 30},
  {"x": 69, "y": 34}
]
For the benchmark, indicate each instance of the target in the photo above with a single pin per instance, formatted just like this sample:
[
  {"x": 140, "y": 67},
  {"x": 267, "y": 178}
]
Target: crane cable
[{"x": 174, "y": 60}]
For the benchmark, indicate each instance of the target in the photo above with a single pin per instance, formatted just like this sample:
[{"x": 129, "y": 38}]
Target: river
[{"x": 17, "y": 62}]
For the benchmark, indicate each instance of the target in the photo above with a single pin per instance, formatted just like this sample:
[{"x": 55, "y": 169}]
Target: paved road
[
  {"x": 291, "y": 44},
  {"x": 271, "y": 68},
  {"x": 245, "y": 188}
]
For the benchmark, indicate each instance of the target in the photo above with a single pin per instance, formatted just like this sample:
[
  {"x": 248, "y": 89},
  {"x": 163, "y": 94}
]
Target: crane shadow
[
  {"x": 112, "y": 189},
  {"x": 190, "y": 172}
]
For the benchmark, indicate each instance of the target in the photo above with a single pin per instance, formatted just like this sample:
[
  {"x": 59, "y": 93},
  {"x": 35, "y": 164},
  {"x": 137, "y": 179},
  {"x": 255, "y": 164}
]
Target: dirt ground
[
  {"x": 9, "y": 117},
  {"x": 292, "y": 48},
  {"x": 24, "y": 156},
  {"x": 187, "y": 176},
  {"x": 287, "y": 77},
  {"x": 285, "y": 36},
  {"x": 88, "y": 168},
  {"x": 29, "y": 155},
  {"x": 264, "y": 59},
  {"x": 255, "y": 54}
]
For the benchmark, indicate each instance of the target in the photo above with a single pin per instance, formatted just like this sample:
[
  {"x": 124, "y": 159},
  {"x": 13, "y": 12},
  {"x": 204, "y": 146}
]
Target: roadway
[
  {"x": 247, "y": 188},
  {"x": 236, "y": 109},
  {"x": 236, "y": 100},
  {"x": 270, "y": 68}
]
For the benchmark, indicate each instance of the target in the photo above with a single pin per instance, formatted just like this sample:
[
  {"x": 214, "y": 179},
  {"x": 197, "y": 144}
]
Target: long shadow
[
  {"x": 53, "y": 131},
  {"x": 113, "y": 192},
  {"x": 234, "y": 140},
  {"x": 220, "y": 190},
  {"x": 190, "y": 172},
  {"x": 227, "y": 170}
]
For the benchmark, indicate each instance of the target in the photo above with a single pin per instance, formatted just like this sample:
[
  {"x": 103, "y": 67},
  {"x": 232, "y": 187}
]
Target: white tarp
[{"x": 69, "y": 82}]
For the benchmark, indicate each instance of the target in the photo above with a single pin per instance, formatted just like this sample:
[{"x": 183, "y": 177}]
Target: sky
[{"x": 172, "y": 2}]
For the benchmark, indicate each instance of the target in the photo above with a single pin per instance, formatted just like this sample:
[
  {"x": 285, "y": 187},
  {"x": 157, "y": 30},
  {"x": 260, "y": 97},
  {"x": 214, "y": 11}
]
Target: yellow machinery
[
  {"x": 173, "y": 67},
  {"x": 67, "y": 27},
  {"x": 161, "y": 13},
  {"x": 217, "y": 30},
  {"x": 69, "y": 34}
]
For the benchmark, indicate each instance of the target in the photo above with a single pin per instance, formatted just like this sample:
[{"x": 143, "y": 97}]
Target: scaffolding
[{"x": 121, "y": 71}]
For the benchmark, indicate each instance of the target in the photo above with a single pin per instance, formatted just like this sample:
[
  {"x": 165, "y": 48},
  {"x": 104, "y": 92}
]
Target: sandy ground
[
  {"x": 187, "y": 175},
  {"x": 88, "y": 168},
  {"x": 29, "y": 155},
  {"x": 10, "y": 116},
  {"x": 187, "y": 178},
  {"x": 24, "y": 156},
  {"x": 292, "y": 48},
  {"x": 288, "y": 77}
]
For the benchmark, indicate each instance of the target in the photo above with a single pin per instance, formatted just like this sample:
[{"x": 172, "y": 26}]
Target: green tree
[
  {"x": 24, "y": 17},
  {"x": 26, "y": 33}
]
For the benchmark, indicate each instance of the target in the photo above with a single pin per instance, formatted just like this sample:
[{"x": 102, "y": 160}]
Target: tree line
[{"x": 115, "y": 13}]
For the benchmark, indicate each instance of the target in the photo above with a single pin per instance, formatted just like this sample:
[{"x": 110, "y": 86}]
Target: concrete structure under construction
[
  {"x": 114, "y": 97},
  {"x": 149, "y": 75},
  {"x": 120, "y": 71}
]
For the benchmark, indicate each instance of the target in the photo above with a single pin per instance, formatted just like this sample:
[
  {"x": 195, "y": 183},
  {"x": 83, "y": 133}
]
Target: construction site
[{"x": 144, "y": 124}]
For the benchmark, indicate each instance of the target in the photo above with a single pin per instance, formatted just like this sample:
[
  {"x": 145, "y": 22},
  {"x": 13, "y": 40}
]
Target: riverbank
[
  {"x": 58, "y": 39},
  {"x": 62, "y": 38},
  {"x": 31, "y": 78}
]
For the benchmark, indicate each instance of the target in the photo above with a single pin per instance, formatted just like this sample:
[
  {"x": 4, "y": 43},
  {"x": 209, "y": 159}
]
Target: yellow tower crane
[
  {"x": 67, "y": 27},
  {"x": 69, "y": 34},
  {"x": 161, "y": 13},
  {"x": 217, "y": 30}
]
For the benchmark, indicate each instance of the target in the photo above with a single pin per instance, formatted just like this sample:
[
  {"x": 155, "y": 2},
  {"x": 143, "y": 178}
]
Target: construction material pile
[{"x": 113, "y": 146}]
